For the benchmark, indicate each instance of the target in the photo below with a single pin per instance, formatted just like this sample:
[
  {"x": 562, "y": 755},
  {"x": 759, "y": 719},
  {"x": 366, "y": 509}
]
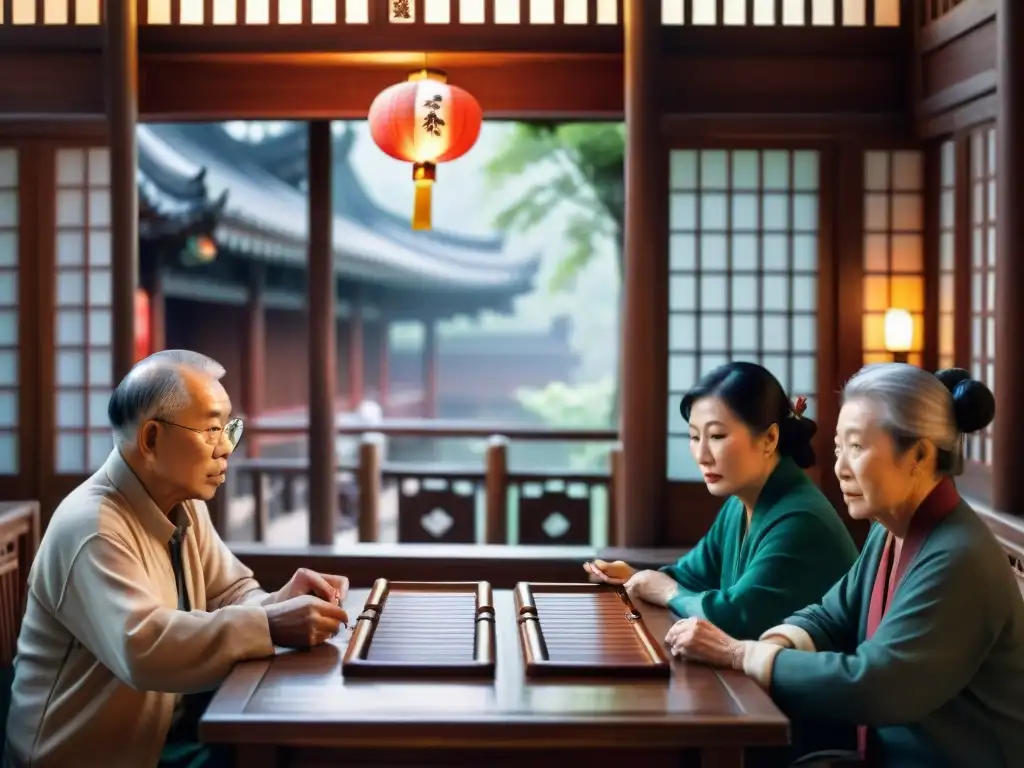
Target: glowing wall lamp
[{"x": 899, "y": 334}]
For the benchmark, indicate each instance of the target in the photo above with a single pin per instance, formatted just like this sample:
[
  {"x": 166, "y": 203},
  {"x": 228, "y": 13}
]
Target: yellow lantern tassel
[
  {"x": 423, "y": 175},
  {"x": 421, "y": 205}
]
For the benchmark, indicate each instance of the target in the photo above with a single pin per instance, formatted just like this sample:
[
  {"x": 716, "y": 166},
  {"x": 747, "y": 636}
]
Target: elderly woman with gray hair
[{"x": 918, "y": 651}]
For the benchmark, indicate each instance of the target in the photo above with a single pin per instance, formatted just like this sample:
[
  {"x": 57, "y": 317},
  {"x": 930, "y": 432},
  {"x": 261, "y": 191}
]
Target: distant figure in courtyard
[
  {"x": 777, "y": 543},
  {"x": 134, "y": 599},
  {"x": 917, "y": 655}
]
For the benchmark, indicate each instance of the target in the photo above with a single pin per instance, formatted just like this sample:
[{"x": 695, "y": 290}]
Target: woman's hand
[
  {"x": 653, "y": 587},
  {"x": 700, "y": 640},
  {"x": 617, "y": 573}
]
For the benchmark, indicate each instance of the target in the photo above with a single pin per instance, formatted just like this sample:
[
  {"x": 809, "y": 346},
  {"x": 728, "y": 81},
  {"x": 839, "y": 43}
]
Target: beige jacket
[{"x": 104, "y": 653}]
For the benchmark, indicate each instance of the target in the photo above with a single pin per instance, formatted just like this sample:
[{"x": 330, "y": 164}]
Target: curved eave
[
  {"x": 269, "y": 218},
  {"x": 161, "y": 215},
  {"x": 281, "y": 154}
]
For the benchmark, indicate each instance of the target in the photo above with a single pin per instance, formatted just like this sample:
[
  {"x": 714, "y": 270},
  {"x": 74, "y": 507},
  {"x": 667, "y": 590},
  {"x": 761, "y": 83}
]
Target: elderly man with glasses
[{"x": 134, "y": 600}]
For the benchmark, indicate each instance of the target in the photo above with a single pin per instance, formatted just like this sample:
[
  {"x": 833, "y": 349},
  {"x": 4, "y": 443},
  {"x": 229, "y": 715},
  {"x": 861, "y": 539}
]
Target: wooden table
[{"x": 297, "y": 710}]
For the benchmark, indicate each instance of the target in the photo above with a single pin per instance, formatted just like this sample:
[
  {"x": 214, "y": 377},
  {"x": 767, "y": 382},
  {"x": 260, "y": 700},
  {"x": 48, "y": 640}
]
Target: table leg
[
  {"x": 721, "y": 757},
  {"x": 256, "y": 756}
]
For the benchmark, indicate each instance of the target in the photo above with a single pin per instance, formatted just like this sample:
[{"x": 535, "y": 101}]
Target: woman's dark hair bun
[
  {"x": 758, "y": 400},
  {"x": 974, "y": 405},
  {"x": 796, "y": 434}
]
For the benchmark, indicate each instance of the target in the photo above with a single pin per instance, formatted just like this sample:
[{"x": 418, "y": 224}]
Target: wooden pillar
[
  {"x": 157, "y": 308},
  {"x": 255, "y": 349},
  {"x": 356, "y": 359},
  {"x": 1008, "y": 466},
  {"x": 384, "y": 364},
  {"x": 644, "y": 348},
  {"x": 430, "y": 369},
  {"x": 323, "y": 496},
  {"x": 121, "y": 64}
]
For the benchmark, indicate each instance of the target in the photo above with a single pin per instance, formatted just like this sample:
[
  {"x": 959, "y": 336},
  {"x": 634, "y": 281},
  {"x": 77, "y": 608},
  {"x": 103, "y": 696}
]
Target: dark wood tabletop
[{"x": 296, "y": 709}]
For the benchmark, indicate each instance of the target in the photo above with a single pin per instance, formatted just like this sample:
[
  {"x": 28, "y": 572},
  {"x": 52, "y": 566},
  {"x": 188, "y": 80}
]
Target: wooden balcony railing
[{"x": 436, "y": 503}]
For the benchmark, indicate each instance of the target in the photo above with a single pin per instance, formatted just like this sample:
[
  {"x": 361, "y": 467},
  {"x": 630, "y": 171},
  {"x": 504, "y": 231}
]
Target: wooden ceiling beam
[{"x": 708, "y": 70}]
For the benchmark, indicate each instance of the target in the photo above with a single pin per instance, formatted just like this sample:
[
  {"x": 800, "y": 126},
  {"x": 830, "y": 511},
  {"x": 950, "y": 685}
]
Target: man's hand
[
  {"x": 304, "y": 621},
  {"x": 333, "y": 589}
]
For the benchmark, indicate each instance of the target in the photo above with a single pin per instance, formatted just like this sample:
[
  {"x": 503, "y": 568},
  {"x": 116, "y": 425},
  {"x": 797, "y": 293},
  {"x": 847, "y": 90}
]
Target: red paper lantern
[
  {"x": 143, "y": 325},
  {"x": 425, "y": 121}
]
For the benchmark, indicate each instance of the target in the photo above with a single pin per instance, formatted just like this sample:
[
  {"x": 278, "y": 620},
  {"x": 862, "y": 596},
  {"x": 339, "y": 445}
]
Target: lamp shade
[
  {"x": 899, "y": 330},
  {"x": 424, "y": 121}
]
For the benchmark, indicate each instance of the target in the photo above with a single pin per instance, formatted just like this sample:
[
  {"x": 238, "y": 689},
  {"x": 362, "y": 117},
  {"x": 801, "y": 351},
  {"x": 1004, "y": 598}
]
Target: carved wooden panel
[
  {"x": 437, "y": 509},
  {"x": 555, "y": 512}
]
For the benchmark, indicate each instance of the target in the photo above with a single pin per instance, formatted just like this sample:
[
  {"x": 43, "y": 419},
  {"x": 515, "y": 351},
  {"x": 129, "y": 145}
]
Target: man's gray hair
[
  {"x": 916, "y": 406},
  {"x": 155, "y": 389}
]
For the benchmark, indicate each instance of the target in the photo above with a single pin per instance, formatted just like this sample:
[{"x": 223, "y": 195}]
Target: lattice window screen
[
  {"x": 744, "y": 273},
  {"x": 83, "y": 363}
]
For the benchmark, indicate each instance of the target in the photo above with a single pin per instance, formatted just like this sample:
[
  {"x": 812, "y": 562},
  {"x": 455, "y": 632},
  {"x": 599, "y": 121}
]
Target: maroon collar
[{"x": 943, "y": 499}]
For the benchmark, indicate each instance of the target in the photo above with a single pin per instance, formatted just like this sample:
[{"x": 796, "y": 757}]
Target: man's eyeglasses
[{"x": 232, "y": 432}]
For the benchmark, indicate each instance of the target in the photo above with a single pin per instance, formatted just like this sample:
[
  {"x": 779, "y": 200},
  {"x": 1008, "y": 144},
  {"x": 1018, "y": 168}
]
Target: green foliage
[
  {"x": 584, "y": 186},
  {"x": 585, "y": 406}
]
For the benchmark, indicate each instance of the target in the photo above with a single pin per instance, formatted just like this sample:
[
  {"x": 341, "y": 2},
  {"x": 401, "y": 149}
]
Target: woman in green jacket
[{"x": 777, "y": 543}]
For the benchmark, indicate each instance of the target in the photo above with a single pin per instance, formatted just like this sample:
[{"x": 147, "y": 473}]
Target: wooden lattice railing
[{"x": 436, "y": 503}]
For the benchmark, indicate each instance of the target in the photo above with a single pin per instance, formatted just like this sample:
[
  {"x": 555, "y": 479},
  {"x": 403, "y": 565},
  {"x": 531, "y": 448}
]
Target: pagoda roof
[{"x": 187, "y": 171}]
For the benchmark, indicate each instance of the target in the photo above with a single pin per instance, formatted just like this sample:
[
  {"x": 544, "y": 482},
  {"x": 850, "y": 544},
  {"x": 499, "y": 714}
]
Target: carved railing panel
[
  {"x": 437, "y": 507},
  {"x": 556, "y": 510}
]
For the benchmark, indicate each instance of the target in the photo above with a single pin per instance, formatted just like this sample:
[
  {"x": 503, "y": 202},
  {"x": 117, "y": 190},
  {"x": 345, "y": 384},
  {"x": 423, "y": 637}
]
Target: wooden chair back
[{"x": 19, "y": 540}]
